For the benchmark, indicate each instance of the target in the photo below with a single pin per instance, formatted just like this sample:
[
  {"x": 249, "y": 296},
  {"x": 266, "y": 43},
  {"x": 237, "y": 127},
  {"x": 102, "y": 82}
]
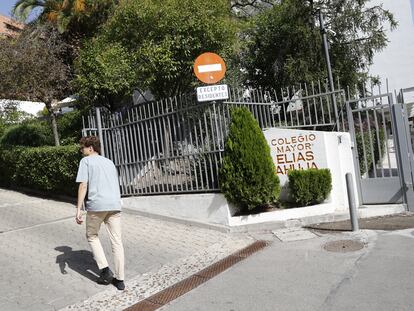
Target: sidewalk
[
  {"x": 302, "y": 275},
  {"x": 46, "y": 263}
]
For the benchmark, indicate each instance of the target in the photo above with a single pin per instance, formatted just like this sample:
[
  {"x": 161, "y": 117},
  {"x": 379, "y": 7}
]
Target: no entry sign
[{"x": 209, "y": 68}]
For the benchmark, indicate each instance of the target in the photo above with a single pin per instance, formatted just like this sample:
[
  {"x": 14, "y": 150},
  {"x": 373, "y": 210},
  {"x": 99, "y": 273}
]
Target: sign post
[{"x": 210, "y": 69}]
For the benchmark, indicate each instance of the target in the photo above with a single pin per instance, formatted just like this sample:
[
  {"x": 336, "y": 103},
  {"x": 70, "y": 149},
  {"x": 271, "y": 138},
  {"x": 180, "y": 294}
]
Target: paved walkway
[
  {"x": 46, "y": 263},
  {"x": 302, "y": 276}
]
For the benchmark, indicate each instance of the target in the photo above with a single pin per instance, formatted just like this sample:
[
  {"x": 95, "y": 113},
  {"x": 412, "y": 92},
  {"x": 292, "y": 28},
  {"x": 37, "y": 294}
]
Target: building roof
[{"x": 9, "y": 27}]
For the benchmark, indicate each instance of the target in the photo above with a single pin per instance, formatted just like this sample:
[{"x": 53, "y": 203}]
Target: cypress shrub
[
  {"x": 311, "y": 186},
  {"x": 247, "y": 176},
  {"x": 48, "y": 169}
]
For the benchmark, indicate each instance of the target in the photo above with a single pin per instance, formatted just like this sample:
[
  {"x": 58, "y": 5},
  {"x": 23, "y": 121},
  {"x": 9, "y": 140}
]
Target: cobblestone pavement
[{"x": 46, "y": 263}]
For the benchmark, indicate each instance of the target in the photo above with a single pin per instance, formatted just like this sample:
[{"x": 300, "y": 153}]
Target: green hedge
[
  {"x": 247, "y": 176},
  {"x": 310, "y": 186},
  {"x": 27, "y": 134},
  {"x": 48, "y": 169}
]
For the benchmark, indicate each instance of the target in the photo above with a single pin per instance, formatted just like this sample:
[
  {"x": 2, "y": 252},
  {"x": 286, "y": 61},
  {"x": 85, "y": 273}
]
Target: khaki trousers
[{"x": 112, "y": 222}]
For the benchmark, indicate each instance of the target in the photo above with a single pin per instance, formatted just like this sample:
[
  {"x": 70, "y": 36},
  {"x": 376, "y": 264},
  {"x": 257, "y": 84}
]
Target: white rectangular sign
[
  {"x": 209, "y": 68},
  {"x": 212, "y": 92}
]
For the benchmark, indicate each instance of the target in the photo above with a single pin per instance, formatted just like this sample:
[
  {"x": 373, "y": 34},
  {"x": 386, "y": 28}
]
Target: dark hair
[{"x": 93, "y": 141}]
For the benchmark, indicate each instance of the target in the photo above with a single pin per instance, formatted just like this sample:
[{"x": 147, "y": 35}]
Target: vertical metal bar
[
  {"x": 403, "y": 154},
  {"x": 137, "y": 151},
  {"x": 357, "y": 160},
  {"x": 154, "y": 129},
  {"x": 363, "y": 142},
  {"x": 329, "y": 104},
  {"x": 377, "y": 132},
  {"x": 203, "y": 155},
  {"x": 384, "y": 125},
  {"x": 303, "y": 104},
  {"x": 314, "y": 104},
  {"x": 371, "y": 144},
  {"x": 164, "y": 141},
  {"x": 351, "y": 202},
  {"x": 99, "y": 123},
  {"x": 148, "y": 148},
  {"x": 142, "y": 150},
  {"x": 322, "y": 103},
  {"x": 328, "y": 63},
  {"x": 296, "y": 108},
  {"x": 290, "y": 111},
  {"x": 177, "y": 134},
  {"x": 188, "y": 177}
]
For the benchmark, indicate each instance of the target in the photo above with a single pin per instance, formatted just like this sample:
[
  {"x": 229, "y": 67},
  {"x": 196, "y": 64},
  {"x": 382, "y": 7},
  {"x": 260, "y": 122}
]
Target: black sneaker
[
  {"x": 119, "y": 284},
  {"x": 106, "y": 276}
]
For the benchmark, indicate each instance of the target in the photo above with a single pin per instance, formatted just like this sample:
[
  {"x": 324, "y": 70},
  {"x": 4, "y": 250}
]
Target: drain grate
[
  {"x": 344, "y": 246},
  {"x": 169, "y": 294}
]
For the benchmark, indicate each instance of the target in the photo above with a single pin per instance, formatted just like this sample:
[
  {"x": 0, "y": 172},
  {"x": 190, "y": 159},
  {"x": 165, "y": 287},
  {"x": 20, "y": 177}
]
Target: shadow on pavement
[{"x": 81, "y": 262}]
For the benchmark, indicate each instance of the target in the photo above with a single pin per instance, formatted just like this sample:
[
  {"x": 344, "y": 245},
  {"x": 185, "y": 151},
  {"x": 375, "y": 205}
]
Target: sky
[{"x": 6, "y": 6}]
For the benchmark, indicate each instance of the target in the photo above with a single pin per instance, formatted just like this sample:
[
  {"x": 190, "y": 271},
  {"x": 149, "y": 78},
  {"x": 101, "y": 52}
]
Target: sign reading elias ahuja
[{"x": 295, "y": 150}]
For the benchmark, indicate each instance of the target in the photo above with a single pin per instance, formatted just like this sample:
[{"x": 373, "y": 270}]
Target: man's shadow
[{"x": 81, "y": 262}]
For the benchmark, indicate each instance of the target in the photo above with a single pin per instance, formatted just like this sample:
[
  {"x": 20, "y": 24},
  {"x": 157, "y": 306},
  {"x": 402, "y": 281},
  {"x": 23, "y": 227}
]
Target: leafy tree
[
  {"x": 32, "y": 69},
  {"x": 10, "y": 115},
  {"x": 283, "y": 44},
  {"x": 154, "y": 44},
  {"x": 74, "y": 19},
  {"x": 58, "y": 12}
]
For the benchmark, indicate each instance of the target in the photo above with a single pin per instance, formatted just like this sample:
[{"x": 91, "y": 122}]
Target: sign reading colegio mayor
[{"x": 295, "y": 150}]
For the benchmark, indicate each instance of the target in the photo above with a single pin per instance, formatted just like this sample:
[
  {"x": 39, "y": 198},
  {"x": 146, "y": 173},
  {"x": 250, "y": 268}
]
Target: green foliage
[
  {"x": 105, "y": 73},
  {"x": 247, "y": 176},
  {"x": 311, "y": 186},
  {"x": 370, "y": 149},
  {"x": 78, "y": 16},
  {"x": 48, "y": 169},
  {"x": 8, "y": 161},
  {"x": 27, "y": 134},
  {"x": 152, "y": 44},
  {"x": 70, "y": 127},
  {"x": 283, "y": 44}
]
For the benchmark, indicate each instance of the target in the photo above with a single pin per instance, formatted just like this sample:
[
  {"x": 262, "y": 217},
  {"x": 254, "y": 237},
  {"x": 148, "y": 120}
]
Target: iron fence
[{"x": 176, "y": 145}]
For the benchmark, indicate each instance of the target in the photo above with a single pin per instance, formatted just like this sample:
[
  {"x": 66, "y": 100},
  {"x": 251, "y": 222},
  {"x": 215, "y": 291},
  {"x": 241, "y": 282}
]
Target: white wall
[{"x": 396, "y": 61}]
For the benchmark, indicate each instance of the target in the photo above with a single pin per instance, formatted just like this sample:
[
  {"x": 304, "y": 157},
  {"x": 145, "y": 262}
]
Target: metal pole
[
  {"x": 100, "y": 134},
  {"x": 328, "y": 65},
  {"x": 351, "y": 202}
]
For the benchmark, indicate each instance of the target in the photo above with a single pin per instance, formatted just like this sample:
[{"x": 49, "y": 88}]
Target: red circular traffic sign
[{"x": 209, "y": 68}]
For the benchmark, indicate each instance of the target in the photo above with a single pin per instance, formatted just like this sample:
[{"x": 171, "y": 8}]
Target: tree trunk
[
  {"x": 54, "y": 129},
  {"x": 54, "y": 123}
]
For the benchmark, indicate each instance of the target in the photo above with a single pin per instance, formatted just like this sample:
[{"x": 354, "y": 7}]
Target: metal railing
[{"x": 176, "y": 145}]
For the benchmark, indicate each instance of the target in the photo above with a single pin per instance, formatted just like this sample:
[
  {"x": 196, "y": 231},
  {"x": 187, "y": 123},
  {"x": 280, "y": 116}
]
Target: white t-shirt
[{"x": 103, "y": 185}]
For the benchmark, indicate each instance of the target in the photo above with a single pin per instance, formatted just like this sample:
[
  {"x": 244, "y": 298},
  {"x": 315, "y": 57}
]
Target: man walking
[{"x": 98, "y": 177}]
